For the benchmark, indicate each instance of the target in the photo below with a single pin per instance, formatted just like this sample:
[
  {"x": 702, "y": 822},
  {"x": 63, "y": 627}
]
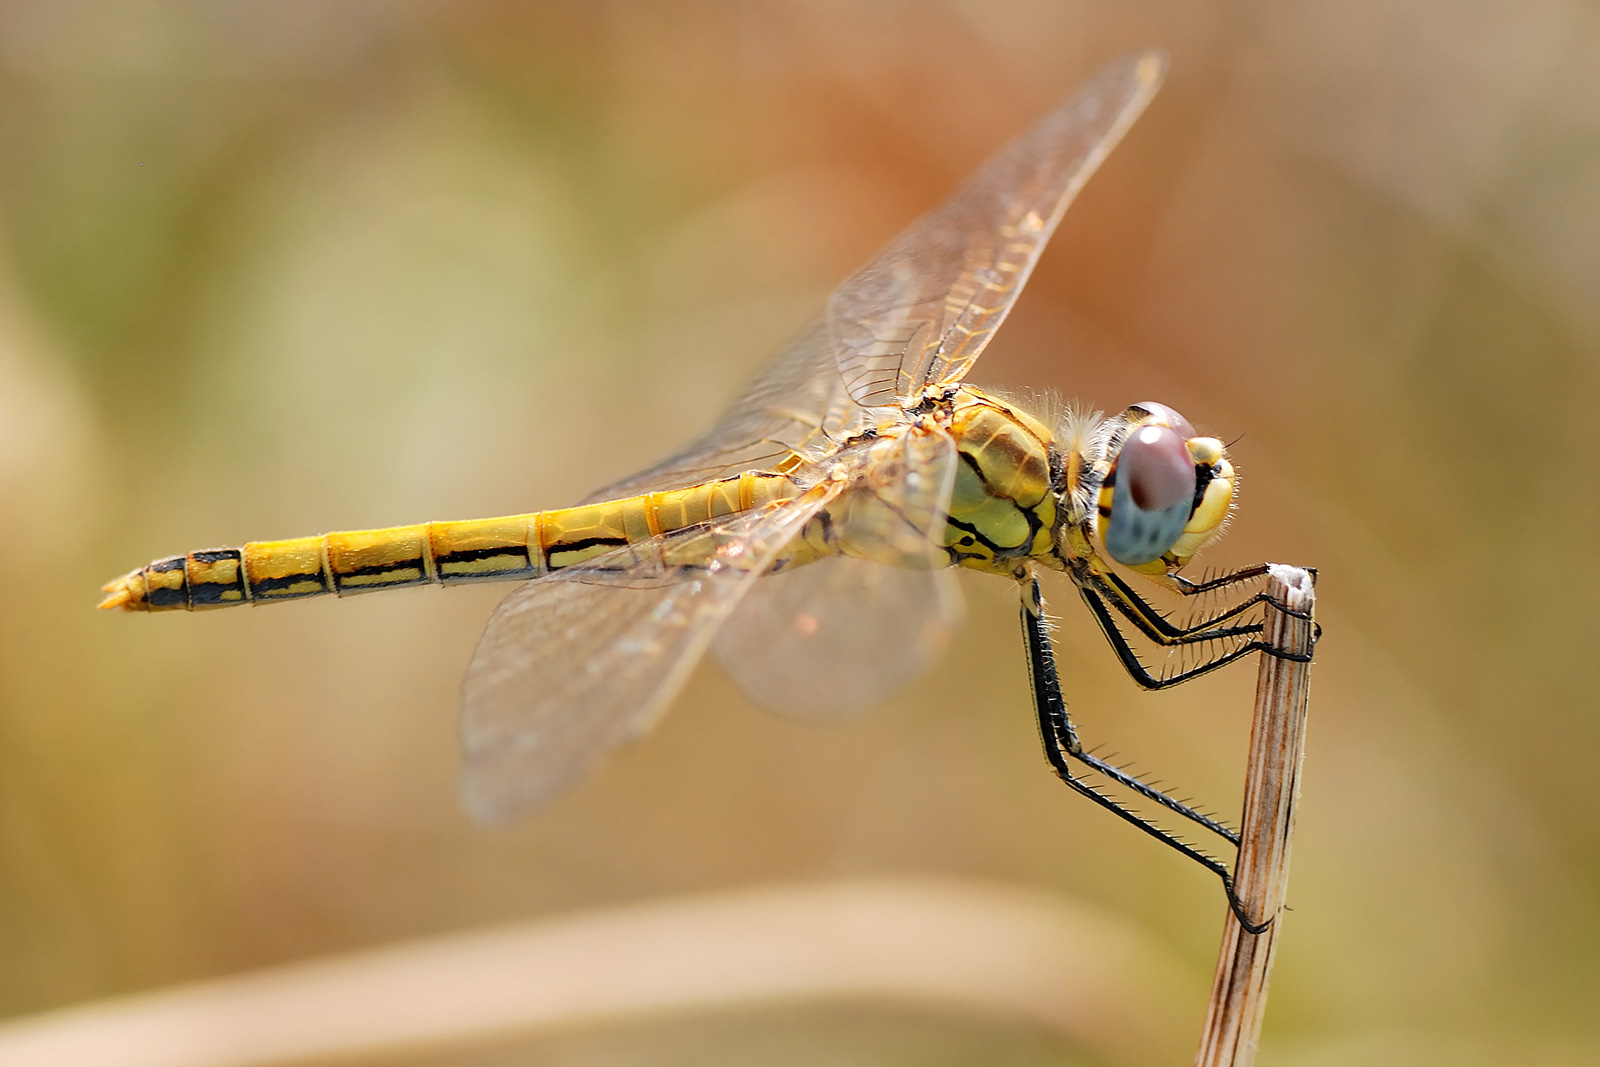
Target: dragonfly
[{"x": 811, "y": 536}]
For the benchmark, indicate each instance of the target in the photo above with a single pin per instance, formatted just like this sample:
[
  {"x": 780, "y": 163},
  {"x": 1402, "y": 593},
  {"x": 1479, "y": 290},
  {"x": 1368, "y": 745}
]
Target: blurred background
[{"x": 273, "y": 269}]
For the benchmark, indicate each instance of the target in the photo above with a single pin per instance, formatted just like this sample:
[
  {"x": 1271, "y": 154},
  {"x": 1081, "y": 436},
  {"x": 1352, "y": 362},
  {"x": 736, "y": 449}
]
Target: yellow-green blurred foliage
[{"x": 270, "y": 269}]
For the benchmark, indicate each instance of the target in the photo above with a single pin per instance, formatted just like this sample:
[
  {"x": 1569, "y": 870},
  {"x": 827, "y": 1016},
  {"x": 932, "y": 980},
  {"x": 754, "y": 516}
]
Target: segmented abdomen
[{"x": 512, "y": 548}]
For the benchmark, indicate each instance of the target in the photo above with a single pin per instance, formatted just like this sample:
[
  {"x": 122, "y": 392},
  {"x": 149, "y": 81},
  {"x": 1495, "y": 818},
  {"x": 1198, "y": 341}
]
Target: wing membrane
[
  {"x": 924, "y": 308},
  {"x": 922, "y": 311},
  {"x": 837, "y": 636},
  {"x": 580, "y": 661},
  {"x": 796, "y": 408},
  {"x": 842, "y": 633}
]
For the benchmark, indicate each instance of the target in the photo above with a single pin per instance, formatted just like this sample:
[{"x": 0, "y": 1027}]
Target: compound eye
[
  {"x": 1162, "y": 413},
  {"x": 1154, "y": 495}
]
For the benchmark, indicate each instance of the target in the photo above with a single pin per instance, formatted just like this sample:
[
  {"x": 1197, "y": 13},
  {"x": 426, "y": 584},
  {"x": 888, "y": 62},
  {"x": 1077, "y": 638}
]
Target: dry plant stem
[
  {"x": 1272, "y": 788},
  {"x": 941, "y": 945}
]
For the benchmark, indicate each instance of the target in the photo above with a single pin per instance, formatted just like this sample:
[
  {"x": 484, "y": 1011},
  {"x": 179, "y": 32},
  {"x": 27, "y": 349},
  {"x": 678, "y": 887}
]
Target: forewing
[
  {"x": 795, "y": 408},
  {"x": 579, "y": 661},
  {"x": 840, "y": 634},
  {"x": 922, "y": 311}
]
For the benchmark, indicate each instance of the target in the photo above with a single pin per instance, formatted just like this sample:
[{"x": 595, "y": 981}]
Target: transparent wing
[
  {"x": 837, "y": 636},
  {"x": 579, "y": 661},
  {"x": 923, "y": 310},
  {"x": 842, "y": 633},
  {"x": 796, "y": 408}
]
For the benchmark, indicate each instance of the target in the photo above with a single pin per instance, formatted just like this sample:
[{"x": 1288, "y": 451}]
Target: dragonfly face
[
  {"x": 1166, "y": 490},
  {"x": 809, "y": 535}
]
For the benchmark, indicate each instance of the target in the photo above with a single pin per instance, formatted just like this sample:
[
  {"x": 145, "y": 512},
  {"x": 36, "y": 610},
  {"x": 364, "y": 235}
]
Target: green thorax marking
[{"x": 1002, "y": 508}]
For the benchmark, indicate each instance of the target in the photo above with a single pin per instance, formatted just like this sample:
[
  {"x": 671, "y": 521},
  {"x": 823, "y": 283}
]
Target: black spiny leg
[
  {"x": 1141, "y": 675},
  {"x": 1157, "y": 627},
  {"x": 1061, "y": 743},
  {"x": 1243, "y": 574}
]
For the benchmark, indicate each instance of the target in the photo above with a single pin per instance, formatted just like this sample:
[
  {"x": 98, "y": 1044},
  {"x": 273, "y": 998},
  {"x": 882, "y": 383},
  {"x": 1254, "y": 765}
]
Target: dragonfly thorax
[{"x": 1004, "y": 501}]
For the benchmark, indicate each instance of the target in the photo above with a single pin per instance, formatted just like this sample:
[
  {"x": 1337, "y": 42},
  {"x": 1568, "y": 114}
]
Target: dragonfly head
[{"x": 1168, "y": 492}]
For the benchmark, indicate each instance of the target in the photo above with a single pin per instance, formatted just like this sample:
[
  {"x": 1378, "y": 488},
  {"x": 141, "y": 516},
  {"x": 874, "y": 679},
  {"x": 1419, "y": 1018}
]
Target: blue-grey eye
[{"x": 1154, "y": 495}]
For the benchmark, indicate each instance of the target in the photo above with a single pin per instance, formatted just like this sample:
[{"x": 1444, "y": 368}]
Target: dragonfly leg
[
  {"x": 1157, "y": 626},
  {"x": 1189, "y": 587},
  {"x": 1243, "y": 574},
  {"x": 1143, "y": 676},
  {"x": 1061, "y": 743}
]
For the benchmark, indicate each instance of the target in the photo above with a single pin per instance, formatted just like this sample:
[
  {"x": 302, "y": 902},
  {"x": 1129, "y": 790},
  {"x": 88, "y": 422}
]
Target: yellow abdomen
[{"x": 512, "y": 548}]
